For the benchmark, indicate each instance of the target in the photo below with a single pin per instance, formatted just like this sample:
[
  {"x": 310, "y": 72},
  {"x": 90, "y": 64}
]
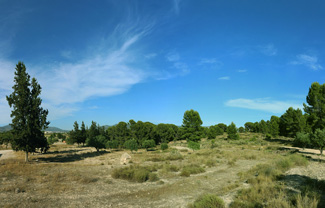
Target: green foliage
[
  {"x": 163, "y": 146},
  {"x": 135, "y": 174},
  {"x": 250, "y": 127},
  {"x": 208, "y": 201},
  {"x": 268, "y": 136},
  {"x": 191, "y": 128},
  {"x": 142, "y": 131},
  {"x": 232, "y": 132},
  {"x": 83, "y": 134},
  {"x": 193, "y": 145},
  {"x": 241, "y": 129},
  {"x": 75, "y": 134},
  {"x": 148, "y": 144},
  {"x": 302, "y": 140},
  {"x": 187, "y": 170},
  {"x": 112, "y": 144},
  {"x": 51, "y": 140},
  {"x": 223, "y": 126},
  {"x": 28, "y": 117},
  {"x": 291, "y": 122},
  {"x": 120, "y": 133},
  {"x": 97, "y": 141},
  {"x": 273, "y": 125},
  {"x": 316, "y": 106},
  {"x": 5, "y": 138},
  {"x": 214, "y": 131},
  {"x": 166, "y": 133},
  {"x": 131, "y": 145},
  {"x": 318, "y": 139},
  {"x": 213, "y": 144}
]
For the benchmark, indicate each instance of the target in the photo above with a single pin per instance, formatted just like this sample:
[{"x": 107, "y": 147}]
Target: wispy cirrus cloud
[
  {"x": 242, "y": 70},
  {"x": 224, "y": 78},
  {"x": 150, "y": 55},
  {"x": 108, "y": 71},
  {"x": 262, "y": 104},
  {"x": 268, "y": 49},
  {"x": 308, "y": 61},
  {"x": 177, "y": 66},
  {"x": 176, "y": 5}
]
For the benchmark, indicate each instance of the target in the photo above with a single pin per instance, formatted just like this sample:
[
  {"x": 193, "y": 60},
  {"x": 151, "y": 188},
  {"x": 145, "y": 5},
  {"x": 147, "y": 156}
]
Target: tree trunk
[{"x": 26, "y": 156}]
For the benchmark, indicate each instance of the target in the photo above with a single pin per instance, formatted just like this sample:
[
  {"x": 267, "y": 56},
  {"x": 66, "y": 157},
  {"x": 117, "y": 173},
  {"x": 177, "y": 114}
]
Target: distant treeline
[{"x": 307, "y": 128}]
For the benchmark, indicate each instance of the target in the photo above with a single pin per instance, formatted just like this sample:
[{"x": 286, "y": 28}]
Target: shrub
[
  {"x": 193, "y": 145},
  {"x": 208, "y": 201},
  {"x": 268, "y": 136},
  {"x": 96, "y": 141},
  {"x": 232, "y": 131},
  {"x": 175, "y": 155},
  {"x": 52, "y": 140},
  {"x": 153, "y": 177},
  {"x": 112, "y": 144},
  {"x": 131, "y": 145},
  {"x": 135, "y": 173},
  {"x": 191, "y": 169},
  {"x": 148, "y": 144},
  {"x": 163, "y": 146}
]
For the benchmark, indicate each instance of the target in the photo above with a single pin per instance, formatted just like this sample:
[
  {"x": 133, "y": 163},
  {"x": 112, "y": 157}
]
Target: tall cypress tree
[{"x": 28, "y": 117}]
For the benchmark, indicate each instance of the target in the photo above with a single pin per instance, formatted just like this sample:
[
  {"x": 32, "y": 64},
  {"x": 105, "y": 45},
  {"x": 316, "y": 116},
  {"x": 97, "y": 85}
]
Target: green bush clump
[
  {"x": 193, "y": 145},
  {"x": 175, "y": 155},
  {"x": 191, "y": 169},
  {"x": 163, "y": 146},
  {"x": 131, "y": 145},
  {"x": 149, "y": 144},
  {"x": 135, "y": 174},
  {"x": 171, "y": 168},
  {"x": 208, "y": 201}
]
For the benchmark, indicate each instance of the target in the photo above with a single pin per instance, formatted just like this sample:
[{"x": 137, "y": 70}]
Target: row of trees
[{"x": 144, "y": 134}]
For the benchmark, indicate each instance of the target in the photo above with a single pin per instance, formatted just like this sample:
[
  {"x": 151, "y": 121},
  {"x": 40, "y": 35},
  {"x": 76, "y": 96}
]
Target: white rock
[{"x": 125, "y": 158}]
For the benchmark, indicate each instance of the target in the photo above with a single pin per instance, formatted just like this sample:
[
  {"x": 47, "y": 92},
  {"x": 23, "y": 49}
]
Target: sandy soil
[{"x": 6, "y": 154}]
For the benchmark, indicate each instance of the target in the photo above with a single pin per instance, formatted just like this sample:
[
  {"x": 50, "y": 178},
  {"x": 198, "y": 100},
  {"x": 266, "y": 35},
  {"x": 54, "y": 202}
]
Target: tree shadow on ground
[
  {"x": 72, "y": 157},
  {"x": 306, "y": 185},
  {"x": 64, "y": 152},
  {"x": 280, "y": 140}
]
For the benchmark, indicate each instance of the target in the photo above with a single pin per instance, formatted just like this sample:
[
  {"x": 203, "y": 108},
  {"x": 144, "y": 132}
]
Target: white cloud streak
[
  {"x": 66, "y": 85},
  {"x": 224, "y": 78},
  {"x": 176, "y": 4},
  {"x": 263, "y": 104},
  {"x": 269, "y": 50},
  {"x": 308, "y": 61}
]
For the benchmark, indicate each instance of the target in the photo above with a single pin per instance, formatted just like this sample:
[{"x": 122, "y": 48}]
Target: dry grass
[{"x": 81, "y": 177}]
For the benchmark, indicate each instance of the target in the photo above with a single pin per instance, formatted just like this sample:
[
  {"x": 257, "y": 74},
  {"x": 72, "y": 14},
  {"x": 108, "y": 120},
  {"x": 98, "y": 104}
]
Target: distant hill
[
  {"x": 55, "y": 129},
  {"x": 5, "y": 128},
  {"x": 50, "y": 128}
]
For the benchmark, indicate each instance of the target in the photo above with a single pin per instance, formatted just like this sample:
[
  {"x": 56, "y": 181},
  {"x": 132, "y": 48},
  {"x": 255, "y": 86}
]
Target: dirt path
[{"x": 5, "y": 154}]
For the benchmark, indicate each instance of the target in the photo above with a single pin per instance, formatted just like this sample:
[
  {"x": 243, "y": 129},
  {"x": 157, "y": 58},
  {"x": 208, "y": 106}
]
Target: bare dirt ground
[
  {"x": 6, "y": 154},
  {"x": 70, "y": 176}
]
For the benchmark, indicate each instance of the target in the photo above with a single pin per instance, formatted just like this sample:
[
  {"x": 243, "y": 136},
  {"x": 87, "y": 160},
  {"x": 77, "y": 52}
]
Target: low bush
[
  {"x": 191, "y": 169},
  {"x": 148, "y": 144},
  {"x": 193, "y": 145},
  {"x": 163, "y": 146},
  {"x": 135, "y": 173},
  {"x": 208, "y": 201}
]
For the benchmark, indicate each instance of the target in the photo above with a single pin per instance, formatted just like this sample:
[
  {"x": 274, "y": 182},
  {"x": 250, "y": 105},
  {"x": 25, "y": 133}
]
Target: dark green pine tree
[
  {"x": 28, "y": 117},
  {"x": 191, "y": 128}
]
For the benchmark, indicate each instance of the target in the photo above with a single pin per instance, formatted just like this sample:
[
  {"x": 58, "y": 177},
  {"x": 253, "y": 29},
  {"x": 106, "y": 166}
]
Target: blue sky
[{"x": 111, "y": 61}]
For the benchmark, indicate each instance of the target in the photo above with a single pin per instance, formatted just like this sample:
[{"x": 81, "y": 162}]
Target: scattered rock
[
  {"x": 17, "y": 190},
  {"x": 125, "y": 158}
]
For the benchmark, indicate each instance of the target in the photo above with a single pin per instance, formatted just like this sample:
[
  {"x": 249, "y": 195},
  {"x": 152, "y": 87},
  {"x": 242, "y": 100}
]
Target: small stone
[
  {"x": 125, "y": 159},
  {"x": 17, "y": 190}
]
